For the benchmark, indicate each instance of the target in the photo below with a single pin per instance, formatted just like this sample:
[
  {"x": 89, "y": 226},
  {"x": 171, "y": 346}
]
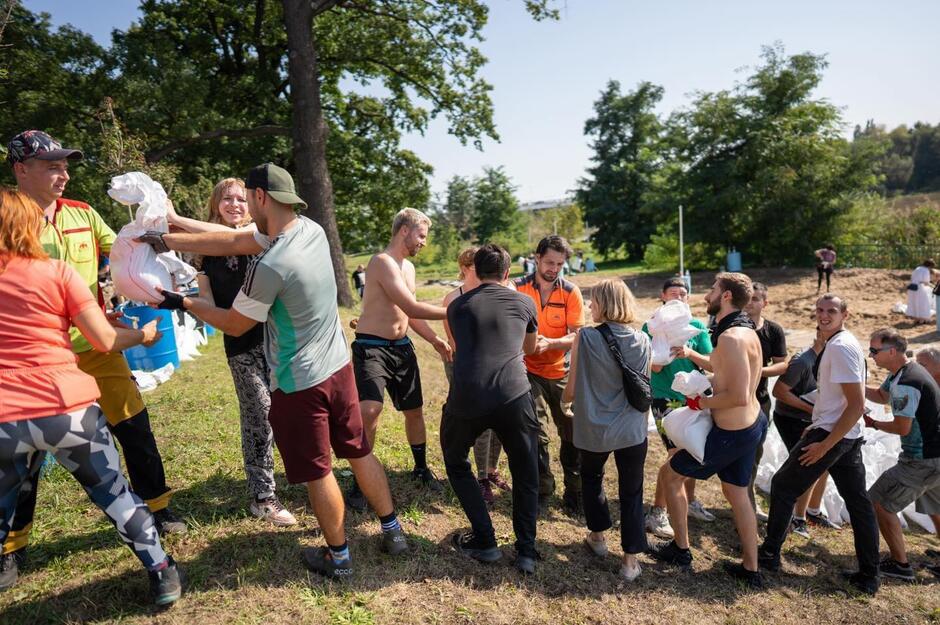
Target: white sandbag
[
  {"x": 188, "y": 338},
  {"x": 135, "y": 268},
  {"x": 690, "y": 383},
  {"x": 688, "y": 429},
  {"x": 149, "y": 380},
  {"x": 670, "y": 327}
]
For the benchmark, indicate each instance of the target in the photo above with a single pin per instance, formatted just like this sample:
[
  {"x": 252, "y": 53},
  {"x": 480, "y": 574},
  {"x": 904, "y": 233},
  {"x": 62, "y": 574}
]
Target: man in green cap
[{"x": 314, "y": 403}]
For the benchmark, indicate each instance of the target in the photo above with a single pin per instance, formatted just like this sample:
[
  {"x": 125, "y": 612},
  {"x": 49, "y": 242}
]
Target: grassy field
[{"x": 243, "y": 571}]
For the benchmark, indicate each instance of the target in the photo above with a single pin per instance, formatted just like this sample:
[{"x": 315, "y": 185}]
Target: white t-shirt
[{"x": 842, "y": 362}]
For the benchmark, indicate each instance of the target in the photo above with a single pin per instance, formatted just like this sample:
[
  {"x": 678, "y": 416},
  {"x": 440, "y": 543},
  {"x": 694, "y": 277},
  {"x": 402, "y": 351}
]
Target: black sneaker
[
  {"x": 168, "y": 523},
  {"x": 752, "y": 579},
  {"x": 427, "y": 478},
  {"x": 166, "y": 585},
  {"x": 767, "y": 560},
  {"x": 525, "y": 564},
  {"x": 320, "y": 560},
  {"x": 862, "y": 583},
  {"x": 933, "y": 568},
  {"x": 394, "y": 542},
  {"x": 896, "y": 570},
  {"x": 468, "y": 545},
  {"x": 10, "y": 567},
  {"x": 671, "y": 554},
  {"x": 821, "y": 520},
  {"x": 355, "y": 499},
  {"x": 799, "y": 527},
  {"x": 571, "y": 504},
  {"x": 932, "y": 553},
  {"x": 544, "y": 503}
]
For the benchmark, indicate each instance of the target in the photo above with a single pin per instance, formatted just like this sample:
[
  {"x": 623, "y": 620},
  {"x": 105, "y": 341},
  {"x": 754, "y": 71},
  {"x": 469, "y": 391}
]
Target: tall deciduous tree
[
  {"x": 496, "y": 210},
  {"x": 458, "y": 207}
]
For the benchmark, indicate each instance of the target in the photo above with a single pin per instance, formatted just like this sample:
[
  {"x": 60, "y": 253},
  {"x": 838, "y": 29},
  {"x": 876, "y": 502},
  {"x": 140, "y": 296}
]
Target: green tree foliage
[
  {"x": 459, "y": 206},
  {"x": 911, "y": 160},
  {"x": 617, "y": 194},
  {"x": 567, "y": 221},
  {"x": 496, "y": 215}
]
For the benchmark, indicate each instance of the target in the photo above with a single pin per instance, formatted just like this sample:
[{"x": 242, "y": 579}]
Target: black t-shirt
[
  {"x": 773, "y": 344},
  {"x": 799, "y": 377},
  {"x": 489, "y": 325},
  {"x": 359, "y": 279},
  {"x": 226, "y": 275}
]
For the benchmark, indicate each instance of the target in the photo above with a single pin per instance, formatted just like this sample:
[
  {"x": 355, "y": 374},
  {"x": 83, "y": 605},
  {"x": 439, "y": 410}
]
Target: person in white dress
[{"x": 919, "y": 292}]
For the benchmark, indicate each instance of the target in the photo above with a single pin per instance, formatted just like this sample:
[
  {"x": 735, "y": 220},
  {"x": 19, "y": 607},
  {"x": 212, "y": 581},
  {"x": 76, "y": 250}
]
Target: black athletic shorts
[{"x": 383, "y": 365}]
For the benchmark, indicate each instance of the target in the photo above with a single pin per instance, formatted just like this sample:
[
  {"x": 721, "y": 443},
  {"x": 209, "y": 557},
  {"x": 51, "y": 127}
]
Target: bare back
[
  {"x": 736, "y": 363},
  {"x": 380, "y": 315}
]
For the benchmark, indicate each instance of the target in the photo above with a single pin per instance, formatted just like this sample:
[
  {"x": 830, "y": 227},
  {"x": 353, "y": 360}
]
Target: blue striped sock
[
  {"x": 390, "y": 522},
  {"x": 340, "y": 554}
]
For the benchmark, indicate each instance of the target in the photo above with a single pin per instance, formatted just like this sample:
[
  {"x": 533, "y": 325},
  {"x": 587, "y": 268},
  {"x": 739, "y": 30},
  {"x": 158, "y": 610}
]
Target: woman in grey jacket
[{"x": 605, "y": 422}]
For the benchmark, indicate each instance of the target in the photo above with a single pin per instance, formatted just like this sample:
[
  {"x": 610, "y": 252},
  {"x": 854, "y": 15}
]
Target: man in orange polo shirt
[{"x": 560, "y": 310}]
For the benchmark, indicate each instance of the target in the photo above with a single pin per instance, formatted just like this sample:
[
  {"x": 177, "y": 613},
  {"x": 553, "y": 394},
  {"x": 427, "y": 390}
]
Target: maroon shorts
[{"x": 308, "y": 422}]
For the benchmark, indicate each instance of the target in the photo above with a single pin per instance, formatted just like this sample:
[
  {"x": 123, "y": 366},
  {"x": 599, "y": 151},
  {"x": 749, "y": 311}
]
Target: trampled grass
[{"x": 243, "y": 571}]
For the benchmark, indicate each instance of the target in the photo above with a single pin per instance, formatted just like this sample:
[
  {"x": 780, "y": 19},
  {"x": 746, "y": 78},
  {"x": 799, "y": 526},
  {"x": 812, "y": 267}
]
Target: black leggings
[
  {"x": 629, "y": 462},
  {"x": 819, "y": 272}
]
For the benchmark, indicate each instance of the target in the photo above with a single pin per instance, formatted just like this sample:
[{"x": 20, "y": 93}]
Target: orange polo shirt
[{"x": 564, "y": 309}]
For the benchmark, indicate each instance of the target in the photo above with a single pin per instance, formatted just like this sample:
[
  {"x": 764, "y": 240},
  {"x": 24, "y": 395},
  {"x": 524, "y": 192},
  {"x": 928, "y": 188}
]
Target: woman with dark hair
[{"x": 47, "y": 404}]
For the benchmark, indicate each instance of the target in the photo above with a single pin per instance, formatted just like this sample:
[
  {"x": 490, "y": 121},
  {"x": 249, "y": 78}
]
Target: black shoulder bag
[{"x": 636, "y": 384}]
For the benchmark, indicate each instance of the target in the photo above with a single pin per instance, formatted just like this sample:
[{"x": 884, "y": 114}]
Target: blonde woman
[
  {"x": 605, "y": 422},
  {"x": 219, "y": 281},
  {"x": 487, "y": 447}
]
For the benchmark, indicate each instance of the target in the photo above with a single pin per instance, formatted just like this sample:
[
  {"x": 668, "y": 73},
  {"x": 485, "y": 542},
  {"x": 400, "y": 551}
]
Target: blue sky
[{"x": 884, "y": 61}]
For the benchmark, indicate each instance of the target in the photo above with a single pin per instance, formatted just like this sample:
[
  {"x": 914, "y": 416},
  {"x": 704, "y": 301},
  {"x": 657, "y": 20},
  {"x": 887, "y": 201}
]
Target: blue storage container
[
  {"x": 210, "y": 331},
  {"x": 161, "y": 352},
  {"x": 734, "y": 260}
]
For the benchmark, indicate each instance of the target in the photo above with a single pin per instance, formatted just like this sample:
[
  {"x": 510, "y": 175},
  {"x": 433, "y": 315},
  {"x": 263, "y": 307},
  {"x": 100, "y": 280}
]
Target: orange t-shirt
[
  {"x": 563, "y": 310},
  {"x": 39, "y": 374}
]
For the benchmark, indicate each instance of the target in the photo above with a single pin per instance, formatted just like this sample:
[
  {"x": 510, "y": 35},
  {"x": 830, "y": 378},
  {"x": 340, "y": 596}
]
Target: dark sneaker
[
  {"x": 544, "y": 504},
  {"x": 932, "y": 553},
  {"x": 10, "y": 568},
  {"x": 166, "y": 585},
  {"x": 767, "y": 560},
  {"x": 896, "y": 570},
  {"x": 355, "y": 499},
  {"x": 751, "y": 579},
  {"x": 525, "y": 564},
  {"x": 862, "y": 583},
  {"x": 671, "y": 554},
  {"x": 821, "y": 520},
  {"x": 168, "y": 523},
  {"x": 497, "y": 480},
  {"x": 799, "y": 527},
  {"x": 427, "y": 478},
  {"x": 933, "y": 568},
  {"x": 571, "y": 504},
  {"x": 487, "y": 491},
  {"x": 468, "y": 545},
  {"x": 394, "y": 542},
  {"x": 320, "y": 560}
]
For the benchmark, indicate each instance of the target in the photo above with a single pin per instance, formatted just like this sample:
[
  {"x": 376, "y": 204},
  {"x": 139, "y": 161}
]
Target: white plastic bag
[
  {"x": 670, "y": 327},
  {"x": 685, "y": 427},
  {"x": 690, "y": 383},
  {"x": 135, "y": 268}
]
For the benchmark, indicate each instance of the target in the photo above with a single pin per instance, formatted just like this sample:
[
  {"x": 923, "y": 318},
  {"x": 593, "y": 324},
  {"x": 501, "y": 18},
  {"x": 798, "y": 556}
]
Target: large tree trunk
[{"x": 309, "y": 131}]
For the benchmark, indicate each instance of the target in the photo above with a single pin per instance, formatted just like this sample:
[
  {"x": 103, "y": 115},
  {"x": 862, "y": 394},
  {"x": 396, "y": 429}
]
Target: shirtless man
[
  {"x": 739, "y": 428},
  {"x": 383, "y": 356}
]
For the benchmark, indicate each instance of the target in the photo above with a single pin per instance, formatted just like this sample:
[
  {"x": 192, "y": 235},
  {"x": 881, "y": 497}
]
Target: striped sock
[
  {"x": 390, "y": 522},
  {"x": 340, "y": 554}
]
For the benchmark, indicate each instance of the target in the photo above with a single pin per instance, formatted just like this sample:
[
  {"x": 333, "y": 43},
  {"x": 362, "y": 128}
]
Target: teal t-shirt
[{"x": 661, "y": 381}]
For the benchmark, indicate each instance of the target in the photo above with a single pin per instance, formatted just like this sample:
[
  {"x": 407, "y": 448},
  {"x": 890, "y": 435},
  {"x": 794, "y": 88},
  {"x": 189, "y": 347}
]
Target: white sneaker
[
  {"x": 657, "y": 523},
  {"x": 271, "y": 510},
  {"x": 698, "y": 511},
  {"x": 630, "y": 574}
]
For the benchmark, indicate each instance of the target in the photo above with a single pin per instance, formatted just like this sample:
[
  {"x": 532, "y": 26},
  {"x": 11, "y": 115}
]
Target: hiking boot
[
  {"x": 821, "y": 520},
  {"x": 670, "y": 553},
  {"x": 497, "y": 480},
  {"x": 698, "y": 511},
  {"x": 10, "y": 567},
  {"x": 862, "y": 583},
  {"x": 799, "y": 527},
  {"x": 320, "y": 560},
  {"x": 166, "y": 585},
  {"x": 486, "y": 491},
  {"x": 525, "y": 564},
  {"x": 355, "y": 499},
  {"x": 467, "y": 544},
  {"x": 896, "y": 570},
  {"x": 427, "y": 478},
  {"x": 768, "y": 560},
  {"x": 571, "y": 504},
  {"x": 752, "y": 579},
  {"x": 394, "y": 542},
  {"x": 168, "y": 523},
  {"x": 657, "y": 523},
  {"x": 271, "y": 510}
]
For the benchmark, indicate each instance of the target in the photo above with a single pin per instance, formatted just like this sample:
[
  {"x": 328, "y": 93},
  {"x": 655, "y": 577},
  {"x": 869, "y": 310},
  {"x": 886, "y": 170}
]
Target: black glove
[
  {"x": 155, "y": 240},
  {"x": 171, "y": 301}
]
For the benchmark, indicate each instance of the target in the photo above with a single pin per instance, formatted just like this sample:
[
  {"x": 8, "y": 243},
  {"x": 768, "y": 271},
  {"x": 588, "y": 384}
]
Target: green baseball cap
[{"x": 276, "y": 181}]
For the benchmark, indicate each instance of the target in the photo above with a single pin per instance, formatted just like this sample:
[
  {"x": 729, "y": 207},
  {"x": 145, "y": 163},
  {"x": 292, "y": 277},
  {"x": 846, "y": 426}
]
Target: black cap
[{"x": 37, "y": 144}]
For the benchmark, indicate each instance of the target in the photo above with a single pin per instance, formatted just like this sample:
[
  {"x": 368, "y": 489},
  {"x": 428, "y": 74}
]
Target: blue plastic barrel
[
  {"x": 734, "y": 260},
  {"x": 210, "y": 331},
  {"x": 161, "y": 352}
]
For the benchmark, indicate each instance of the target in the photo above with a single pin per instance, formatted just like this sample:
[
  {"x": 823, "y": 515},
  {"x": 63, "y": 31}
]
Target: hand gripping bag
[
  {"x": 135, "y": 268},
  {"x": 670, "y": 327},
  {"x": 688, "y": 428}
]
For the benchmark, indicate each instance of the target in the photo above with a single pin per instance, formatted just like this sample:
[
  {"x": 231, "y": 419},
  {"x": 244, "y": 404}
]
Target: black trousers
[
  {"x": 844, "y": 463},
  {"x": 517, "y": 427},
  {"x": 141, "y": 459},
  {"x": 629, "y": 462}
]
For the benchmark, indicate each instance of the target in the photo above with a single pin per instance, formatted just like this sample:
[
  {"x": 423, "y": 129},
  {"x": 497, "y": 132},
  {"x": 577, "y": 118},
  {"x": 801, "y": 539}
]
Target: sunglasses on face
[{"x": 872, "y": 351}]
